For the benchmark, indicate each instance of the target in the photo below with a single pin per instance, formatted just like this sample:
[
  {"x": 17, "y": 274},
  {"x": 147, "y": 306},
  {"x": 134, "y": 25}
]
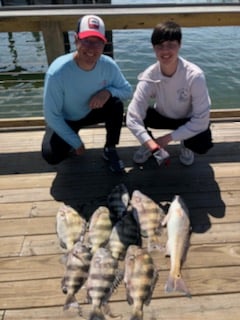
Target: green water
[{"x": 23, "y": 64}]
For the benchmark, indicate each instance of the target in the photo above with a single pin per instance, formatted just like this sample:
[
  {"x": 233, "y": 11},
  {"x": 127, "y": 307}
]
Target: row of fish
[{"x": 114, "y": 233}]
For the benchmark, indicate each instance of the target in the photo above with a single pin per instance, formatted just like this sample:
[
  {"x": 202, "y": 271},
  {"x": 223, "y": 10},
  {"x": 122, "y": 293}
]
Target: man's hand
[
  {"x": 164, "y": 140},
  {"x": 79, "y": 151},
  {"x": 99, "y": 99}
]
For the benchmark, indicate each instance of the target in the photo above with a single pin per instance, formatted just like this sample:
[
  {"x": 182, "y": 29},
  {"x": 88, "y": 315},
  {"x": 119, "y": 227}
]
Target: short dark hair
[{"x": 166, "y": 31}]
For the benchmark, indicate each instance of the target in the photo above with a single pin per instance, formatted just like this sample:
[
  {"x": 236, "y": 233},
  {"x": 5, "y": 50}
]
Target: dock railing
[{"x": 52, "y": 21}]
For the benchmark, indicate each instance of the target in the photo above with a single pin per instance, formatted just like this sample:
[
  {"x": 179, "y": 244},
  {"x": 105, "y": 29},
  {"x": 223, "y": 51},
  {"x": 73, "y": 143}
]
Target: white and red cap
[{"x": 91, "y": 26}]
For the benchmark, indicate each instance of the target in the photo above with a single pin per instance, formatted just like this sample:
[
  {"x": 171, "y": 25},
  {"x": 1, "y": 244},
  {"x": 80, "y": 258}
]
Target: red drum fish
[{"x": 178, "y": 229}]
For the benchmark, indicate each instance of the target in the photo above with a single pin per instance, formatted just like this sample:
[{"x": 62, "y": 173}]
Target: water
[{"x": 214, "y": 49}]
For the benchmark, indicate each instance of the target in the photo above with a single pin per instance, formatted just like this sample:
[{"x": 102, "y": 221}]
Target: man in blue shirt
[{"x": 81, "y": 89}]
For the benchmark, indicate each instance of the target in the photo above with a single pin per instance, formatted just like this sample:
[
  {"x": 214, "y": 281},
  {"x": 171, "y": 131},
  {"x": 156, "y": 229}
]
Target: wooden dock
[{"x": 31, "y": 192}]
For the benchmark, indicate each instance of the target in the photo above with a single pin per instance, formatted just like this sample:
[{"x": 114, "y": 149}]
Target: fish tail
[
  {"x": 176, "y": 284},
  {"x": 97, "y": 314},
  {"x": 181, "y": 286},
  {"x": 71, "y": 302},
  {"x": 137, "y": 315},
  {"x": 108, "y": 312},
  {"x": 154, "y": 244}
]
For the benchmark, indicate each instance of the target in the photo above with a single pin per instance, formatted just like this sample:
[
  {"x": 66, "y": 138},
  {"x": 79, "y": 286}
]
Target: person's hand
[
  {"x": 99, "y": 99},
  {"x": 164, "y": 140},
  {"x": 79, "y": 151},
  {"x": 152, "y": 145}
]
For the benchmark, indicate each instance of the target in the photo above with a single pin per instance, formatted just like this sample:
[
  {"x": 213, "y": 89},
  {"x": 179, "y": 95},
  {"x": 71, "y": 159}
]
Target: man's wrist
[{"x": 155, "y": 149}]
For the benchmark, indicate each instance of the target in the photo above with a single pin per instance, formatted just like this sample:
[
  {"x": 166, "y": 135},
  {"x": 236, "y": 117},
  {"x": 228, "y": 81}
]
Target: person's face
[
  {"x": 167, "y": 52},
  {"x": 89, "y": 50}
]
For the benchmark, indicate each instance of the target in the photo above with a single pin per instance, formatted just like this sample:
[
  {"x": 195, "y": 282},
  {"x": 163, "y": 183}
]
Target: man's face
[{"x": 89, "y": 50}]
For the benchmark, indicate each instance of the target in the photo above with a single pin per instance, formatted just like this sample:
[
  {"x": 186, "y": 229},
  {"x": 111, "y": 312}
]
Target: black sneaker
[{"x": 115, "y": 164}]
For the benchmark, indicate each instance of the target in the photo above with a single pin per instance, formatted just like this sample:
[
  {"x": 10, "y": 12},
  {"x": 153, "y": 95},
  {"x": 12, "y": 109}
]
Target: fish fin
[
  {"x": 181, "y": 286},
  {"x": 185, "y": 251},
  {"x": 137, "y": 315},
  {"x": 119, "y": 275},
  {"x": 167, "y": 250},
  {"x": 129, "y": 298},
  {"x": 97, "y": 314},
  {"x": 169, "y": 286},
  {"x": 154, "y": 282},
  {"x": 64, "y": 286},
  {"x": 108, "y": 312},
  {"x": 62, "y": 244},
  {"x": 71, "y": 302},
  {"x": 176, "y": 284},
  {"x": 165, "y": 220},
  {"x": 63, "y": 258},
  {"x": 154, "y": 244}
]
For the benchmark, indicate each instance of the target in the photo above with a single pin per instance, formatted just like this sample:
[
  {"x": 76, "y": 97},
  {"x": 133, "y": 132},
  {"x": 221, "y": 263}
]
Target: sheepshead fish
[
  {"x": 149, "y": 216},
  {"x": 178, "y": 229},
  {"x": 100, "y": 228},
  {"x": 118, "y": 201},
  {"x": 140, "y": 278},
  {"x": 76, "y": 273},
  {"x": 104, "y": 277},
  {"x": 70, "y": 226},
  {"x": 124, "y": 233}
]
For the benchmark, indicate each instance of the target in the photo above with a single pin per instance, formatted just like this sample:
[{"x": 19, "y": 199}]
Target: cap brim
[{"x": 87, "y": 34}]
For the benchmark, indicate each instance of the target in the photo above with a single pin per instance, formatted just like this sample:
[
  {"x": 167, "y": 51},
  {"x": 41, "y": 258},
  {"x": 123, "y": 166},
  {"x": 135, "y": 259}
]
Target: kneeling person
[
  {"x": 84, "y": 88},
  {"x": 181, "y": 101}
]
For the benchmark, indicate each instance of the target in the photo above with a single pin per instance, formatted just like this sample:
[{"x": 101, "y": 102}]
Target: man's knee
[
  {"x": 201, "y": 143},
  {"x": 50, "y": 158}
]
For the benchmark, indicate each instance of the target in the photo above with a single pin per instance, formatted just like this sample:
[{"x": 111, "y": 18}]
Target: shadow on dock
[{"x": 84, "y": 183}]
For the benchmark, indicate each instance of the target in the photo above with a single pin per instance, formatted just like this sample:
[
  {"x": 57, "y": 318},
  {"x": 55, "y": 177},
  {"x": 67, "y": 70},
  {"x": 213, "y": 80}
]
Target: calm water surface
[{"x": 214, "y": 49}]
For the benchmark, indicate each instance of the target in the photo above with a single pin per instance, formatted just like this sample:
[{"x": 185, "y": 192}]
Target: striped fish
[
  {"x": 149, "y": 216},
  {"x": 118, "y": 201},
  {"x": 70, "y": 226},
  {"x": 104, "y": 277},
  {"x": 100, "y": 228},
  {"x": 124, "y": 233},
  {"x": 76, "y": 273},
  {"x": 140, "y": 278}
]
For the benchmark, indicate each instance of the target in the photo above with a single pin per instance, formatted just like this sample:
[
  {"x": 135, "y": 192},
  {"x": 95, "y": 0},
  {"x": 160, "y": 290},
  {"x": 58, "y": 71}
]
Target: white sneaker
[
  {"x": 142, "y": 155},
  {"x": 186, "y": 156}
]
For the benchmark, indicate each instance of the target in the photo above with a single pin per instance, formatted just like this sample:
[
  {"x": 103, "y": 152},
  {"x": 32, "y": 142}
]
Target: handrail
[{"x": 30, "y": 18}]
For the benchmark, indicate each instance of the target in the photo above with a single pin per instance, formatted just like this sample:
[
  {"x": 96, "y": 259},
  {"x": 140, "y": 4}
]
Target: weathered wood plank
[
  {"x": 16, "y": 227},
  {"x": 224, "y": 307},
  {"x": 204, "y": 232},
  {"x": 226, "y": 175},
  {"x": 47, "y": 292},
  {"x": 20, "y": 140},
  {"x": 10, "y": 246},
  {"x": 29, "y": 203},
  {"x": 36, "y": 242},
  {"x": 49, "y": 208},
  {"x": 120, "y": 17},
  {"x": 53, "y": 39},
  {"x": 29, "y": 209},
  {"x": 49, "y": 266},
  {"x": 216, "y": 115},
  {"x": 88, "y": 195}
]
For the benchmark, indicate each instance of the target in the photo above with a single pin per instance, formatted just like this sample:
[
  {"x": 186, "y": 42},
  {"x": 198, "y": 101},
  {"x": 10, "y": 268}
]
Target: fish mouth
[{"x": 64, "y": 290}]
